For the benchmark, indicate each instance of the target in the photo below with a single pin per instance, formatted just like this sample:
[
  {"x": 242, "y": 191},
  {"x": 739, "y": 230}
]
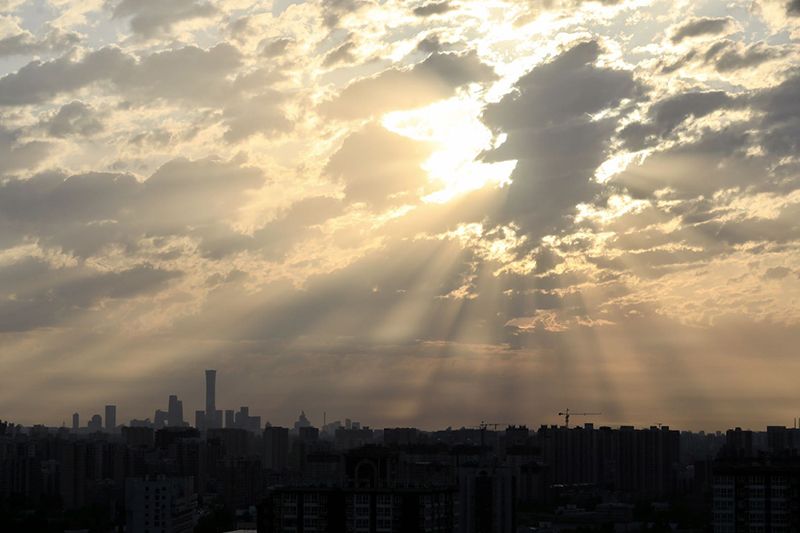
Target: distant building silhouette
[
  {"x": 111, "y": 417},
  {"x": 213, "y": 417},
  {"x": 160, "y": 419},
  {"x": 276, "y": 448},
  {"x": 175, "y": 412},
  {"x": 95, "y": 424},
  {"x": 301, "y": 422},
  {"x": 76, "y": 421}
]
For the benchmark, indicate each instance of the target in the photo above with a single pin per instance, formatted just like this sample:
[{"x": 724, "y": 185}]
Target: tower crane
[{"x": 566, "y": 414}]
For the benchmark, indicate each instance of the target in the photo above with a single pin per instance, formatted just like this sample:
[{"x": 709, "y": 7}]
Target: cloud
[
  {"x": 276, "y": 47},
  {"x": 744, "y": 153},
  {"x": 726, "y": 57},
  {"x": 25, "y": 43},
  {"x": 188, "y": 73},
  {"x": 334, "y": 10},
  {"x": 379, "y": 168},
  {"x": 729, "y": 56},
  {"x": 777, "y": 273},
  {"x": 258, "y": 114},
  {"x": 19, "y": 154},
  {"x": 38, "y": 81},
  {"x": 434, "y": 79},
  {"x": 74, "y": 118},
  {"x": 779, "y": 14},
  {"x": 341, "y": 54},
  {"x": 83, "y": 213},
  {"x": 667, "y": 114},
  {"x": 432, "y": 8},
  {"x": 700, "y": 27},
  {"x": 274, "y": 240},
  {"x": 30, "y": 302},
  {"x": 552, "y": 135},
  {"x": 151, "y": 18},
  {"x": 780, "y": 126}
]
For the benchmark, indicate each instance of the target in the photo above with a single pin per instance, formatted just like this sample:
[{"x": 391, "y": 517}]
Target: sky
[{"x": 429, "y": 213}]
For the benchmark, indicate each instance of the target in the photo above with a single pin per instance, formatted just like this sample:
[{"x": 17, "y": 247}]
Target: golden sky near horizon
[{"x": 402, "y": 212}]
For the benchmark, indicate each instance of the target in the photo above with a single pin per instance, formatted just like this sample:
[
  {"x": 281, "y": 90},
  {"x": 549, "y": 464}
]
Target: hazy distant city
[{"x": 230, "y": 472}]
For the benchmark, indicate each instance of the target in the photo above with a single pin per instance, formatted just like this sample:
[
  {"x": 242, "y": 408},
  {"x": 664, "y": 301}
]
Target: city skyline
[
  {"x": 407, "y": 212},
  {"x": 172, "y": 419}
]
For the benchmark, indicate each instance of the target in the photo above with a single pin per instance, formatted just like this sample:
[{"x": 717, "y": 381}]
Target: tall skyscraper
[
  {"x": 213, "y": 418},
  {"x": 111, "y": 417},
  {"x": 175, "y": 412},
  {"x": 76, "y": 421},
  {"x": 211, "y": 390}
]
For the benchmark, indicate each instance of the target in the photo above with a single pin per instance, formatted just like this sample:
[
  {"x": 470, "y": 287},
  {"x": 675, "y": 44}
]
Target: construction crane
[{"x": 566, "y": 414}]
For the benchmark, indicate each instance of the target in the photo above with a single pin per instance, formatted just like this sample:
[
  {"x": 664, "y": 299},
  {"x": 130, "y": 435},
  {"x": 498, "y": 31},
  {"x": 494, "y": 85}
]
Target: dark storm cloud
[
  {"x": 74, "y": 118},
  {"x": 149, "y": 18},
  {"x": 552, "y": 135},
  {"x": 701, "y": 26},
  {"x": 435, "y": 78},
  {"x": 27, "y": 303},
  {"x": 433, "y": 8}
]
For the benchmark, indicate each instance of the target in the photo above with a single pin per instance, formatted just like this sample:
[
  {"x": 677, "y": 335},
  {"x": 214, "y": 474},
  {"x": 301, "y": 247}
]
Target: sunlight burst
[{"x": 455, "y": 126}]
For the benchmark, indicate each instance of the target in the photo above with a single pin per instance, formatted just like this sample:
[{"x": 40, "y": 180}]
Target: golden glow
[{"x": 454, "y": 125}]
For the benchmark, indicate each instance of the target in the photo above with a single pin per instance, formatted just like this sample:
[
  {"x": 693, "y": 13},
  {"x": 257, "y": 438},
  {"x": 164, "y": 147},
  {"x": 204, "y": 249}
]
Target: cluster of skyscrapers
[{"x": 209, "y": 418}]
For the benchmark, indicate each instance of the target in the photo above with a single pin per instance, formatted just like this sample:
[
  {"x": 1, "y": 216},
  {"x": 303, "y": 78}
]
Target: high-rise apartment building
[{"x": 111, "y": 417}]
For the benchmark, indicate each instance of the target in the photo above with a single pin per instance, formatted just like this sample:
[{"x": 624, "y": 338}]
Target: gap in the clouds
[
  {"x": 279, "y": 6},
  {"x": 455, "y": 127}
]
